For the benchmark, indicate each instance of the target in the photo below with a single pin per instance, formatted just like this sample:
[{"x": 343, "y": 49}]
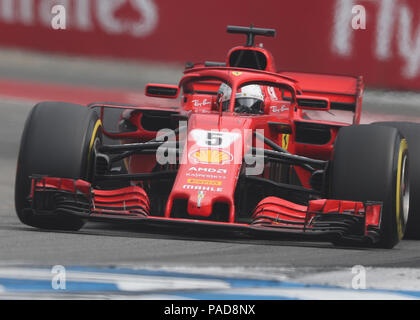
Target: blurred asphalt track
[{"x": 98, "y": 244}]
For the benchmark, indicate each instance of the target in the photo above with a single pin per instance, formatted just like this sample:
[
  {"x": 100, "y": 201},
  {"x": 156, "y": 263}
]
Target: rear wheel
[
  {"x": 371, "y": 164},
  {"x": 57, "y": 141}
]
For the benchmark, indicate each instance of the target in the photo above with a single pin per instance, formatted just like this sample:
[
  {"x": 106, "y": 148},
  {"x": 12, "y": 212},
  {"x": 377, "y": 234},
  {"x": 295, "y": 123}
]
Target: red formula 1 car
[{"x": 241, "y": 149}]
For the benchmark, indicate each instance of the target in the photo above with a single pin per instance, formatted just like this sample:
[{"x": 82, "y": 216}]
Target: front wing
[{"x": 322, "y": 220}]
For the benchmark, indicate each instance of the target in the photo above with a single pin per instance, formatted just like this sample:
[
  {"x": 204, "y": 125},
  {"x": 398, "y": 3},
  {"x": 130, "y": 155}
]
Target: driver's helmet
[{"x": 249, "y": 99}]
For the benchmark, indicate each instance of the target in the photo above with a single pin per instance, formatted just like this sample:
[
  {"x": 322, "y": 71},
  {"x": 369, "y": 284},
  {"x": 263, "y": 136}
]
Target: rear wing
[{"x": 344, "y": 92}]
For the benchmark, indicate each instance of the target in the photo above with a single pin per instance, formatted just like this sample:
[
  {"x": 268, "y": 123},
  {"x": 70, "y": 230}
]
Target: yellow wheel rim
[
  {"x": 402, "y": 202},
  {"x": 98, "y": 124}
]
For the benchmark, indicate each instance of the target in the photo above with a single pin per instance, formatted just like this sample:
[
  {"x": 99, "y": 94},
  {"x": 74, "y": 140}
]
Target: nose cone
[{"x": 210, "y": 164}]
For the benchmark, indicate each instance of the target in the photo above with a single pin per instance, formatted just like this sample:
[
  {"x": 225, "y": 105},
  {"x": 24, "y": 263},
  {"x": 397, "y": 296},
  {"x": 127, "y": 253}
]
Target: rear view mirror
[
  {"x": 313, "y": 103},
  {"x": 162, "y": 91}
]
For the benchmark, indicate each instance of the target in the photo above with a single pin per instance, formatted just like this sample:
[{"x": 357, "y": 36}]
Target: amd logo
[
  {"x": 394, "y": 23},
  {"x": 138, "y": 18}
]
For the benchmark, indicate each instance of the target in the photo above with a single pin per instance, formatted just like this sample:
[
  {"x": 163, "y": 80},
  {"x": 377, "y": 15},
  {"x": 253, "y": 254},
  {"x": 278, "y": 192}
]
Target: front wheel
[
  {"x": 371, "y": 164},
  {"x": 57, "y": 141},
  {"x": 411, "y": 132}
]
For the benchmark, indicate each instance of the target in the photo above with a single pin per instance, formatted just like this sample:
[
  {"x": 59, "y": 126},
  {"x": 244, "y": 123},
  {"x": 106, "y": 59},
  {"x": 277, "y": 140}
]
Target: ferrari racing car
[{"x": 234, "y": 147}]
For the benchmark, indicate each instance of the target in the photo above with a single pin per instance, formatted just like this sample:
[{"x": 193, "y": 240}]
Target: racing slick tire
[
  {"x": 57, "y": 141},
  {"x": 370, "y": 163},
  {"x": 411, "y": 132}
]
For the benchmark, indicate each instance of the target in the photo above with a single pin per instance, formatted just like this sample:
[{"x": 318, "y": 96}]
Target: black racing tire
[
  {"x": 370, "y": 163},
  {"x": 57, "y": 141},
  {"x": 411, "y": 132}
]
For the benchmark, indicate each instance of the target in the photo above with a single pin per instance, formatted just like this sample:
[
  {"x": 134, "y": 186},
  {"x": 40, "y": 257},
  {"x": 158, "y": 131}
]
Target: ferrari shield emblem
[{"x": 285, "y": 141}]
